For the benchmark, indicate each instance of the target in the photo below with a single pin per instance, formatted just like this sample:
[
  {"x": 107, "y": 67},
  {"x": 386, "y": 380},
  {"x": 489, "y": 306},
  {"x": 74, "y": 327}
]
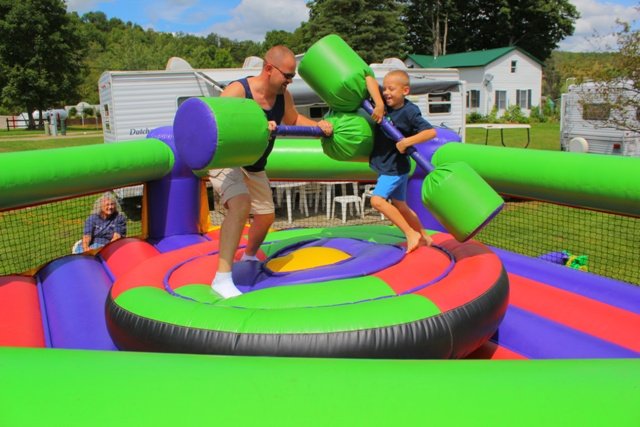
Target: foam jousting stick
[{"x": 394, "y": 133}]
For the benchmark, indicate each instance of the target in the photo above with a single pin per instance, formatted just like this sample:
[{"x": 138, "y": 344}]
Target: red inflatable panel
[
  {"x": 477, "y": 270},
  {"x": 20, "y": 318},
  {"x": 151, "y": 272},
  {"x": 492, "y": 351},
  {"x": 124, "y": 254},
  {"x": 417, "y": 268}
]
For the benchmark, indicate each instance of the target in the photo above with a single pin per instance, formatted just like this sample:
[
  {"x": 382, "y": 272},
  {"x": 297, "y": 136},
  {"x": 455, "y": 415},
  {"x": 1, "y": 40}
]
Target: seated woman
[{"x": 104, "y": 225}]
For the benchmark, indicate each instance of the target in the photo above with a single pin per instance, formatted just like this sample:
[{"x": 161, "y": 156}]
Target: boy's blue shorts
[{"x": 392, "y": 187}]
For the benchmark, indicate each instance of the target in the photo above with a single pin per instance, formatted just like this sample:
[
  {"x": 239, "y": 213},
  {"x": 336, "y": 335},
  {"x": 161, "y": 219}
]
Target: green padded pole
[
  {"x": 32, "y": 177},
  {"x": 219, "y": 132},
  {"x": 44, "y": 387},
  {"x": 303, "y": 159},
  {"x": 600, "y": 182},
  {"x": 336, "y": 73}
]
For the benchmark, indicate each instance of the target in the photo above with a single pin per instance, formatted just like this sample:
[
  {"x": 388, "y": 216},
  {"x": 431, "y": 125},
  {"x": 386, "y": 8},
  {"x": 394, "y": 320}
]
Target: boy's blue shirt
[{"x": 385, "y": 159}]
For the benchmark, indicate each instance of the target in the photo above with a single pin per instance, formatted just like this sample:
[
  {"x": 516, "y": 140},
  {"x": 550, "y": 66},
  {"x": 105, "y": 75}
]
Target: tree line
[{"x": 50, "y": 57}]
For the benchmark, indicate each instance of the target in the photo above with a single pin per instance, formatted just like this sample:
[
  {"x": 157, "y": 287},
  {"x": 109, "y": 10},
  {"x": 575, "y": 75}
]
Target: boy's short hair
[{"x": 400, "y": 75}]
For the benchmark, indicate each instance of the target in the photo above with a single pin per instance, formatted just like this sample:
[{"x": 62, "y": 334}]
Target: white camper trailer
[
  {"x": 585, "y": 123},
  {"x": 134, "y": 102}
]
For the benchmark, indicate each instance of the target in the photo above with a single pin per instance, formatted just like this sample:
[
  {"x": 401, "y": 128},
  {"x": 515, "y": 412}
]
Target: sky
[{"x": 252, "y": 19}]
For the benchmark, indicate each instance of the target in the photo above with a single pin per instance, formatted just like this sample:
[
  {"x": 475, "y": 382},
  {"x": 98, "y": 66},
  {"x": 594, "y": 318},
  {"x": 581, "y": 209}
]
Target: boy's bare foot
[
  {"x": 427, "y": 239},
  {"x": 414, "y": 241}
]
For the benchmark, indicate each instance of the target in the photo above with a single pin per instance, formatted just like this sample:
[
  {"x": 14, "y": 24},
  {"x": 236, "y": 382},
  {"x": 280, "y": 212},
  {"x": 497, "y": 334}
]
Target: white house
[{"x": 496, "y": 78}]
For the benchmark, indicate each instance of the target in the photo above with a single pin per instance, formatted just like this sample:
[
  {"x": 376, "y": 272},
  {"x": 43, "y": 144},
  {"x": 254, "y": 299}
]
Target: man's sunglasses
[{"x": 288, "y": 76}]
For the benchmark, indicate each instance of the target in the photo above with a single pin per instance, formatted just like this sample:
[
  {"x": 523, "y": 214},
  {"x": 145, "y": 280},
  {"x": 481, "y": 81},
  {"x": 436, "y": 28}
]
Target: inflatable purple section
[
  {"x": 538, "y": 338},
  {"x": 179, "y": 241},
  {"x": 175, "y": 198},
  {"x": 74, "y": 290},
  {"x": 202, "y": 139},
  {"x": 366, "y": 258}
]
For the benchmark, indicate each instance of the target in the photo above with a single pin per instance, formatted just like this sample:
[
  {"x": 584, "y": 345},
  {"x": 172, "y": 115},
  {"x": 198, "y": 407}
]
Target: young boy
[{"x": 389, "y": 160}]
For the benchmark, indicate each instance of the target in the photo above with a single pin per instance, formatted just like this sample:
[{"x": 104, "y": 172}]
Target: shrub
[
  {"x": 536, "y": 115},
  {"x": 514, "y": 114},
  {"x": 475, "y": 118},
  {"x": 493, "y": 115}
]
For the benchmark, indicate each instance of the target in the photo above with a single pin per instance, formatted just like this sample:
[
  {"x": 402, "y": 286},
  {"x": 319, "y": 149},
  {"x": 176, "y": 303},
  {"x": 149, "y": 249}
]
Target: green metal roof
[{"x": 477, "y": 58}]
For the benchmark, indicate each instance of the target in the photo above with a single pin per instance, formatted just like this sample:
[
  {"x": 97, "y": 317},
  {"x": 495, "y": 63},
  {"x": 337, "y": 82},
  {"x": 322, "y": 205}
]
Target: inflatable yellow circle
[{"x": 306, "y": 258}]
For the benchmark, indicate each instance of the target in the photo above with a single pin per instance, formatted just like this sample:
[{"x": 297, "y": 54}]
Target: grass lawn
[
  {"x": 23, "y": 140},
  {"x": 544, "y": 136}
]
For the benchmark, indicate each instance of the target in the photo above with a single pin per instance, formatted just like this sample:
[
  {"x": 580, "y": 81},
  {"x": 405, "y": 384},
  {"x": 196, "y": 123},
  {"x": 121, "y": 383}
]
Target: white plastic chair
[
  {"x": 345, "y": 202},
  {"x": 289, "y": 196}
]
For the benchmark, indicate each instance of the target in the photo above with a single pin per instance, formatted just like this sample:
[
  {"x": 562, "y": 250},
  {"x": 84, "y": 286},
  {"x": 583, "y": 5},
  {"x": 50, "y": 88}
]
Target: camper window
[
  {"x": 599, "y": 111},
  {"x": 181, "y": 100},
  {"x": 439, "y": 103},
  {"x": 318, "y": 112}
]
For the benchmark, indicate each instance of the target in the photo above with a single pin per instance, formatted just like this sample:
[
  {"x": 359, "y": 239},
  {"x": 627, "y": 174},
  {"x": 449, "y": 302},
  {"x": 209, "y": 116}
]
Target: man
[{"x": 246, "y": 190}]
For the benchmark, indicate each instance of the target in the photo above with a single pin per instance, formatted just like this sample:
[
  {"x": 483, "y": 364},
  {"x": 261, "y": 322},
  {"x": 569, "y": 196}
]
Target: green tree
[
  {"x": 40, "y": 55},
  {"x": 374, "y": 29},
  {"x": 437, "y": 26},
  {"x": 223, "y": 59},
  {"x": 564, "y": 68},
  {"x": 276, "y": 37},
  {"x": 536, "y": 26},
  {"x": 427, "y": 23}
]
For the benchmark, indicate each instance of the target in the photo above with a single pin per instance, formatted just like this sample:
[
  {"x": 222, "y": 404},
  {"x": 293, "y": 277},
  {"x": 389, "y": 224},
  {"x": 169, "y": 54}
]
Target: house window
[
  {"x": 501, "y": 100},
  {"x": 439, "y": 103},
  {"x": 599, "y": 111},
  {"x": 523, "y": 98},
  {"x": 514, "y": 66},
  {"x": 473, "y": 99}
]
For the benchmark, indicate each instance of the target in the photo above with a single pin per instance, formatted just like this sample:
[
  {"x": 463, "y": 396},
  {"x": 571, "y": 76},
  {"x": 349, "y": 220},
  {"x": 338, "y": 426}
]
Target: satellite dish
[
  {"x": 487, "y": 79},
  {"x": 82, "y": 106},
  {"x": 253, "y": 62}
]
